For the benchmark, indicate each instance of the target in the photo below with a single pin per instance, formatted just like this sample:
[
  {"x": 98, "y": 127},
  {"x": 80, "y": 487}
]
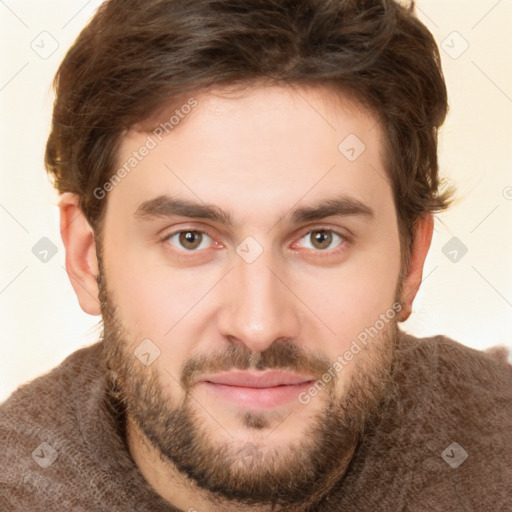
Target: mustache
[{"x": 283, "y": 355}]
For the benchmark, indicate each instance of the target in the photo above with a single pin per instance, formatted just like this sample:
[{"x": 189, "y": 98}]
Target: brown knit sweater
[{"x": 62, "y": 446}]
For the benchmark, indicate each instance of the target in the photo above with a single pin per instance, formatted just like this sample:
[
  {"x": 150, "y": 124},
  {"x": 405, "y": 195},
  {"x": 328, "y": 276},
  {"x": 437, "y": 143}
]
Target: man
[{"x": 247, "y": 199}]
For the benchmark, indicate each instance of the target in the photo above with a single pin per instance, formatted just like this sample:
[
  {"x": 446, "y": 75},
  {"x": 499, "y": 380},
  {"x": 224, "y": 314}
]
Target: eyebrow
[{"x": 167, "y": 206}]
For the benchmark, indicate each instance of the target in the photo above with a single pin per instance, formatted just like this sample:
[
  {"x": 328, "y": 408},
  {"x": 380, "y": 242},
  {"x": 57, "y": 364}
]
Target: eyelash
[{"x": 345, "y": 239}]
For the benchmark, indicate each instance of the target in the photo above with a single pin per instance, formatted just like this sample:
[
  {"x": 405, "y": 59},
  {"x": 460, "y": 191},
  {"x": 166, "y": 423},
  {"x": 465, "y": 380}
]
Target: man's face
[{"x": 240, "y": 319}]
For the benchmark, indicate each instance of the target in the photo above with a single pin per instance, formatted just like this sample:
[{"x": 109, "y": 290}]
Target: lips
[
  {"x": 267, "y": 379},
  {"x": 256, "y": 390}
]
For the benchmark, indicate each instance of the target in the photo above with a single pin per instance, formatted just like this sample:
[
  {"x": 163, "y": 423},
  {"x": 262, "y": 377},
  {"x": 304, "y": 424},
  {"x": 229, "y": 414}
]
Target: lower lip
[{"x": 258, "y": 398}]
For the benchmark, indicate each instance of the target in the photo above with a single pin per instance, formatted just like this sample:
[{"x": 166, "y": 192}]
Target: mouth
[{"x": 257, "y": 390}]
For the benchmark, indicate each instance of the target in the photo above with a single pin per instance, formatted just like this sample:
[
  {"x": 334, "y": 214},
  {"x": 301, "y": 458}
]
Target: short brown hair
[{"x": 136, "y": 56}]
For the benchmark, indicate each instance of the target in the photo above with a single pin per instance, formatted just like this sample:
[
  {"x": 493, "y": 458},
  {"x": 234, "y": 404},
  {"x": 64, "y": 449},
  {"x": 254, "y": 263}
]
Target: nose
[{"x": 259, "y": 308}]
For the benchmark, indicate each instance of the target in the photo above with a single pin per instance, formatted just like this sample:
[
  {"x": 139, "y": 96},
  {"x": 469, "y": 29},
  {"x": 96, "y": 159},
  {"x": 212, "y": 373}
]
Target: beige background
[{"x": 469, "y": 300}]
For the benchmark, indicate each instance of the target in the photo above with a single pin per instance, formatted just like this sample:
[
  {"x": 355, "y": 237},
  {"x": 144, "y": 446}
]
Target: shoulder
[
  {"x": 451, "y": 367},
  {"x": 461, "y": 417},
  {"x": 42, "y": 400},
  {"x": 469, "y": 391},
  {"x": 38, "y": 425}
]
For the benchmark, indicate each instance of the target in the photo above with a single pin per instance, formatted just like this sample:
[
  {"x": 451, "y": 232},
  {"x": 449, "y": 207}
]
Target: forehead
[{"x": 267, "y": 147}]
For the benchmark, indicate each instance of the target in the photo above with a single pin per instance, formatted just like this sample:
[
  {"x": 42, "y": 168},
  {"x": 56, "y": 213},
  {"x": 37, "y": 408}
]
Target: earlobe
[
  {"x": 81, "y": 261},
  {"x": 412, "y": 282}
]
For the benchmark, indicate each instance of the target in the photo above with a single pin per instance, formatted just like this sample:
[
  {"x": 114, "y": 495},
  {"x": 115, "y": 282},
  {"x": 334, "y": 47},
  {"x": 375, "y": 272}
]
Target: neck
[
  {"x": 176, "y": 488},
  {"x": 171, "y": 484}
]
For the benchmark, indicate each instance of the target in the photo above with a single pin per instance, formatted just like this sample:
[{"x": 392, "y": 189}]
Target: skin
[{"x": 258, "y": 156}]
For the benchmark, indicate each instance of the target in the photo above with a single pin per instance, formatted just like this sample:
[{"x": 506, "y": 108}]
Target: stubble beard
[{"x": 294, "y": 477}]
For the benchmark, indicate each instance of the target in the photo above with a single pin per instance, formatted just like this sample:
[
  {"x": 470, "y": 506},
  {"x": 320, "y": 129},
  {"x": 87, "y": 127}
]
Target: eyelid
[
  {"x": 343, "y": 233},
  {"x": 346, "y": 238},
  {"x": 167, "y": 236}
]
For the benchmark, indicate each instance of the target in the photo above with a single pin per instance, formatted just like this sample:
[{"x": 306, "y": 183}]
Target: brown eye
[
  {"x": 189, "y": 240},
  {"x": 322, "y": 239}
]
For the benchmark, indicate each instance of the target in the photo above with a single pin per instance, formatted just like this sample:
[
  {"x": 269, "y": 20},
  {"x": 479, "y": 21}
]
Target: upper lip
[{"x": 257, "y": 379}]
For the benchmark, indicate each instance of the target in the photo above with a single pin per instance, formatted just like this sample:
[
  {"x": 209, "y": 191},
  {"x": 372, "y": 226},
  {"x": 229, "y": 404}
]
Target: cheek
[
  {"x": 149, "y": 297},
  {"x": 153, "y": 310},
  {"x": 152, "y": 301},
  {"x": 350, "y": 297}
]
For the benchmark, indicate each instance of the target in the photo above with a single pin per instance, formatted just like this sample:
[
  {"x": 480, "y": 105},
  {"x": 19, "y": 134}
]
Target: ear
[
  {"x": 420, "y": 247},
  {"x": 81, "y": 261}
]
